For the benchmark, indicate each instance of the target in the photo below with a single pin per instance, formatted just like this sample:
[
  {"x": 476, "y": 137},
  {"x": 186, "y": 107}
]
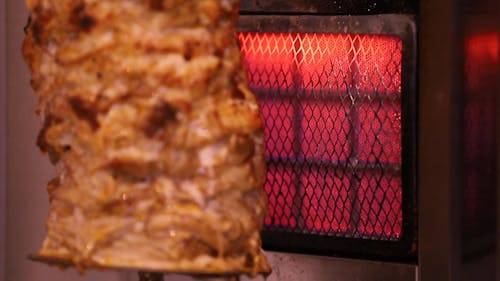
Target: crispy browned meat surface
[{"x": 156, "y": 138}]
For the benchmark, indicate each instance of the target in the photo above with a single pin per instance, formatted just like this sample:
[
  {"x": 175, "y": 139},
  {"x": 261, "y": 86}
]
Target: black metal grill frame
[
  {"x": 332, "y": 7},
  {"x": 402, "y": 26}
]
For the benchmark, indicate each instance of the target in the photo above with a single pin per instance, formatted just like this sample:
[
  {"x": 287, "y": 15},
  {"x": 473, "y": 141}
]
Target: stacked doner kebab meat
[{"x": 156, "y": 139}]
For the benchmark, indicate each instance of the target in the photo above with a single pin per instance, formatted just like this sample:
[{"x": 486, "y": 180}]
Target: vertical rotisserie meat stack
[{"x": 156, "y": 139}]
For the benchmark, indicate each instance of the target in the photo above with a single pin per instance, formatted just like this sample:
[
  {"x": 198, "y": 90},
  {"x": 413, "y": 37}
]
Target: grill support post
[{"x": 445, "y": 157}]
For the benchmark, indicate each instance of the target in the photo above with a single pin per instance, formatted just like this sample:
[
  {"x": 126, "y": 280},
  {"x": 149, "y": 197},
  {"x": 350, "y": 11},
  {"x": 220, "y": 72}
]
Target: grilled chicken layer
[{"x": 155, "y": 136}]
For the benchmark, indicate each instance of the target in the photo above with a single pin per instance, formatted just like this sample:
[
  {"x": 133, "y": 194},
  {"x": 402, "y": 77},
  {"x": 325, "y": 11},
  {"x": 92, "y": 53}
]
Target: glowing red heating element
[{"x": 331, "y": 106}]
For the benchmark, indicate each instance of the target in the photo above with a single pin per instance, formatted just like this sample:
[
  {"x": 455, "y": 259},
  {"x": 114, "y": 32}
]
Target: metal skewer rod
[
  {"x": 150, "y": 276},
  {"x": 155, "y": 276}
]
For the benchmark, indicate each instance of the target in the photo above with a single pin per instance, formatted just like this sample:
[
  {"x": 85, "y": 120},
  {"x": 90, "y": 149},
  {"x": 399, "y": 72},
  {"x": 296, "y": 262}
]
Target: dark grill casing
[{"x": 331, "y": 7}]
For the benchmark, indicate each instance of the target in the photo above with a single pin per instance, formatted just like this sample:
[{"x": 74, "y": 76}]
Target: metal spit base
[{"x": 296, "y": 267}]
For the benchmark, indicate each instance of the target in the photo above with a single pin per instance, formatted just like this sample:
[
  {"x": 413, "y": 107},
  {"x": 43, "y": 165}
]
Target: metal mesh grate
[{"x": 331, "y": 105}]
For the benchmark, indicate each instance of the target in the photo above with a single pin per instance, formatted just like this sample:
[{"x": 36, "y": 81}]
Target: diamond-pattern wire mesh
[{"x": 331, "y": 106}]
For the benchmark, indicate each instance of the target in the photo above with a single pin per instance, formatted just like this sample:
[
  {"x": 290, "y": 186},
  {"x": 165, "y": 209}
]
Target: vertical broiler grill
[
  {"x": 367, "y": 106},
  {"x": 337, "y": 96}
]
